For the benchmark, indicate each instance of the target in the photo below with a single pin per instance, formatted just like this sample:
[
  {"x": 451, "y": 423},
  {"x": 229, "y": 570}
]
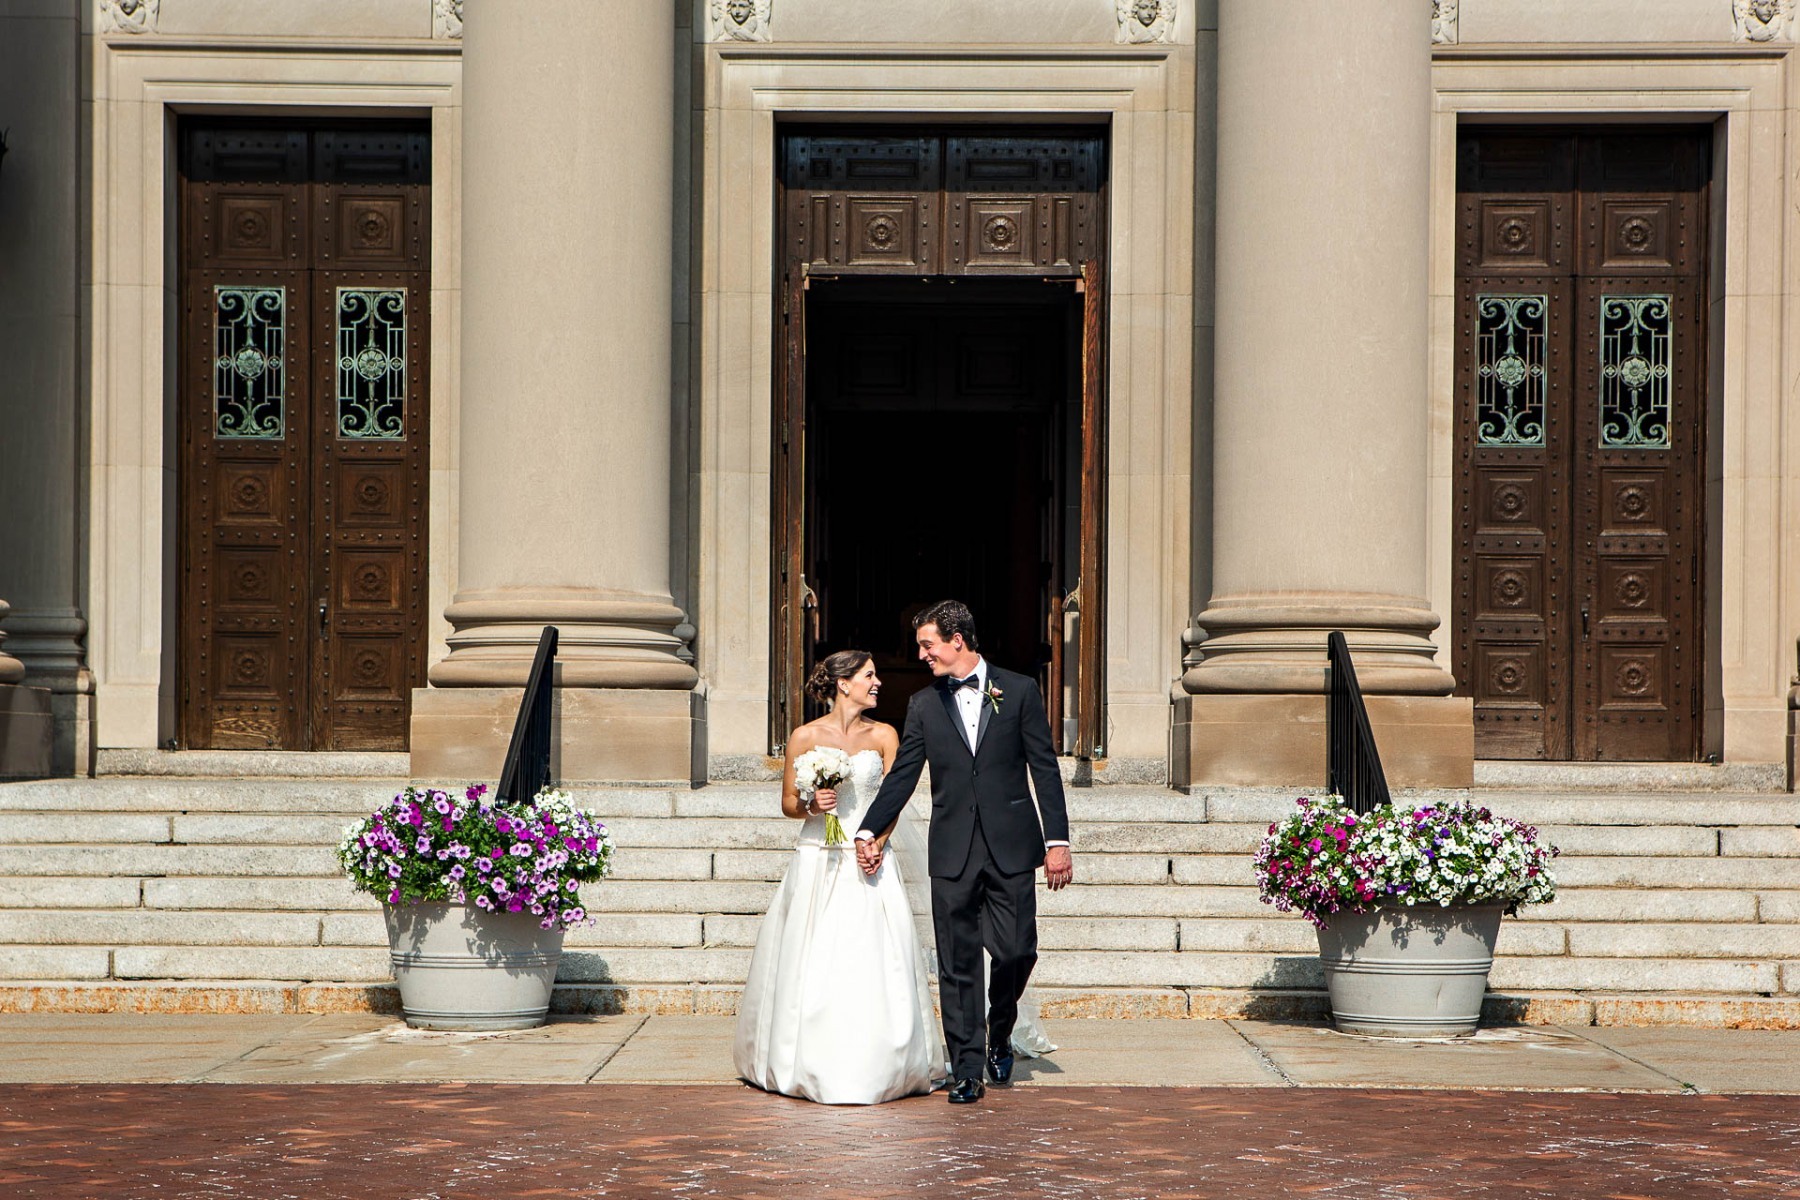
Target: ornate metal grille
[
  {"x": 249, "y": 375},
  {"x": 1634, "y": 372},
  {"x": 1510, "y": 335},
  {"x": 371, "y": 363}
]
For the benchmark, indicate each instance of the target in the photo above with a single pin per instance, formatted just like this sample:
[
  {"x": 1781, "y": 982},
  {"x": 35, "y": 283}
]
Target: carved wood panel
[
  {"x": 1580, "y": 414},
  {"x": 943, "y": 204},
  {"x": 304, "y": 433}
]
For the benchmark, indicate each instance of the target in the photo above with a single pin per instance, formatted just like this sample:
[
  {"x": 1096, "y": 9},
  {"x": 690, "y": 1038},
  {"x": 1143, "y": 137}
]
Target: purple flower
[
  {"x": 423, "y": 845},
  {"x": 443, "y": 803},
  {"x": 521, "y": 850},
  {"x": 457, "y": 872},
  {"x": 393, "y": 870},
  {"x": 484, "y": 865},
  {"x": 394, "y": 896}
]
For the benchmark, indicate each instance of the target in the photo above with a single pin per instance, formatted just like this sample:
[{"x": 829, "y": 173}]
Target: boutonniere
[{"x": 994, "y": 695}]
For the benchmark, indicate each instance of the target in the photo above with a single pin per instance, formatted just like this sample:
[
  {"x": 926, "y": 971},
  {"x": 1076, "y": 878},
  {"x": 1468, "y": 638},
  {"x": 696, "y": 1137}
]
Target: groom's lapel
[
  {"x": 987, "y": 713},
  {"x": 956, "y": 726}
]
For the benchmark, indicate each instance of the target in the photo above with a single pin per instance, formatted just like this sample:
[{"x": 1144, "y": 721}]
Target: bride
[{"x": 837, "y": 1007}]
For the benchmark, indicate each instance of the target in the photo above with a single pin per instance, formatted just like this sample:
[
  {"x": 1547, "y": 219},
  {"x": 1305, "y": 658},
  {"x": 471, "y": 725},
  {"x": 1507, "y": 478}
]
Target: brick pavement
[{"x": 413, "y": 1142}]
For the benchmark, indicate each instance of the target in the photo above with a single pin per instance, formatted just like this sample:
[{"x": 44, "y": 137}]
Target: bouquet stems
[{"x": 834, "y": 830}]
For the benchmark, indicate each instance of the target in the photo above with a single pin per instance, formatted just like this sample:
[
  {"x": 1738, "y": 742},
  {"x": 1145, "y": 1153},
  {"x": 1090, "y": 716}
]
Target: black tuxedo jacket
[{"x": 1010, "y": 741}]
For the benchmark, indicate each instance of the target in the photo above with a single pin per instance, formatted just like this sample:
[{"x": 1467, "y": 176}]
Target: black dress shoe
[
  {"x": 966, "y": 1091},
  {"x": 1000, "y": 1064}
]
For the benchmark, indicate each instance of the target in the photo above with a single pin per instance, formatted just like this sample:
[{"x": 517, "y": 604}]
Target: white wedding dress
[{"x": 837, "y": 1007}]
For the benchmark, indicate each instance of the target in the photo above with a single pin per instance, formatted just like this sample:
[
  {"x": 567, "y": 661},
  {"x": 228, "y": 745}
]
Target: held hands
[
  {"x": 1059, "y": 867},
  {"x": 868, "y": 854}
]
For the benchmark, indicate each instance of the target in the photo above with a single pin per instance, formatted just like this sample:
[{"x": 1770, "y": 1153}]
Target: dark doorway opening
[{"x": 943, "y": 461}]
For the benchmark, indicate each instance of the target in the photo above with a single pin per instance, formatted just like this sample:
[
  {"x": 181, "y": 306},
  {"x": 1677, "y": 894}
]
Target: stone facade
[{"x": 615, "y": 267}]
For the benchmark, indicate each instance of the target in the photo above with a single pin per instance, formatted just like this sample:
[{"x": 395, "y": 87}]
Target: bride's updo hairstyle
[{"x": 821, "y": 685}]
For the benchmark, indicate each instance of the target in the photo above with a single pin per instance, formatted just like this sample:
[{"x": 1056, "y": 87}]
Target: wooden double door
[
  {"x": 1581, "y": 384},
  {"x": 939, "y": 424},
  {"x": 303, "y": 423}
]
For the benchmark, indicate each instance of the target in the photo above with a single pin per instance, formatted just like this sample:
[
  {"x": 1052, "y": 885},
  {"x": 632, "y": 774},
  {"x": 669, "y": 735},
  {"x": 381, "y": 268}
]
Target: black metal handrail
[
  {"x": 1352, "y": 764},
  {"x": 527, "y": 767}
]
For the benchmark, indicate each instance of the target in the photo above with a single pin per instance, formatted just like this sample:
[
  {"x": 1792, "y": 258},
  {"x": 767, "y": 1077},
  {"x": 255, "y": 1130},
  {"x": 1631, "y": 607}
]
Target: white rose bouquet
[{"x": 825, "y": 767}]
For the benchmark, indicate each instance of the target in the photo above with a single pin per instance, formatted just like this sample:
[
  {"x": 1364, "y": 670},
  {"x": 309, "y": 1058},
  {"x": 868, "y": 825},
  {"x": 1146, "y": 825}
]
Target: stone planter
[
  {"x": 460, "y": 967},
  {"x": 1409, "y": 972}
]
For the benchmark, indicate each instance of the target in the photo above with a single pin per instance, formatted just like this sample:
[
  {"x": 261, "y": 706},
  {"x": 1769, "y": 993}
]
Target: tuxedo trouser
[{"x": 983, "y": 907}]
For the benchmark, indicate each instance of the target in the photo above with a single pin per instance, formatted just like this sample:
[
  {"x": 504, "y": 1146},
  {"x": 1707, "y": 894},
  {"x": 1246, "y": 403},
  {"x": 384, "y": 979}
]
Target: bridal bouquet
[
  {"x": 825, "y": 767},
  {"x": 526, "y": 856},
  {"x": 1324, "y": 858}
]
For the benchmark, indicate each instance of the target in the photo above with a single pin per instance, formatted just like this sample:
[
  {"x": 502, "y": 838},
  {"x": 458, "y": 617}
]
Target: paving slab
[
  {"x": 1711, "y": 1060},
  {"x": 1093, "y": 1052},
  {"x": 129, "y": 1047},
  {"x": 1510, "y": 1057},
  {"x": 675, "y": 1049},
  {"x": 364, "y": 1048}
]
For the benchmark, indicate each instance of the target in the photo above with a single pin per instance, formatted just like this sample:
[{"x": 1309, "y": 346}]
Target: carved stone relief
[
  {"x": 1443, "y": 22},
  {"x": 1762, "y": 20},
  {"x": 1145, "y": 20},
  {"x": 128, "y": 16},
  {"x": 741, "y": 20},
  {"x": 446, "y": 18}
]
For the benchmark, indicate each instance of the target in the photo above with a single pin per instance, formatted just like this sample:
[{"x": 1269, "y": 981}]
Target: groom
[{"x": 981, "y": 729}]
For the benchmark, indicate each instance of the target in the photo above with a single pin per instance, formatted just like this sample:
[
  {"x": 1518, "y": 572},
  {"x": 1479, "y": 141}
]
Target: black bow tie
[{"x": 973, "y": 681}]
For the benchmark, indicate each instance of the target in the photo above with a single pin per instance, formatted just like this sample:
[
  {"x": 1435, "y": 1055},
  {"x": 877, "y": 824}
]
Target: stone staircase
[{"x": 213, "y": 893}]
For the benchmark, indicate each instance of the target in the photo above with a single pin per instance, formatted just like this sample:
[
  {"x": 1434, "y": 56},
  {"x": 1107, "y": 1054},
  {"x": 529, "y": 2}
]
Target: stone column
[
  {"x": 1320, "y": 416},
  {"x": 41, "y": 444},
  {"x": 564, "y": 443}
]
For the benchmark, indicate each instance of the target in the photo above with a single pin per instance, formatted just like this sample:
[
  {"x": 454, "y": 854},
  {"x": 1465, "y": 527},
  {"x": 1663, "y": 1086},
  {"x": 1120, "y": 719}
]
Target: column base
[
  {"x": 598, "y": 735},
  {"x": 27, "y": 732},
  {"x": 1279, "y": 741}
]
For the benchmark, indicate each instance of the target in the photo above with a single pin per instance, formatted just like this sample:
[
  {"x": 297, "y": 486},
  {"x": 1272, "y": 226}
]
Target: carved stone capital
[
  {"x": 741, "y": 20},
  {"x": 1762, "y": 20},
  {"x": 1143, "y": 21},
  {"x": 1443, "y": 22},
  {"x": 128, "y": 16},
  {"x": 446, "y": 18}
]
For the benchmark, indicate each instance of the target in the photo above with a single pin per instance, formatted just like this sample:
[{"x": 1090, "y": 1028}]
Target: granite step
[
  {"x": 1075, "y": 968},
  {"x": 118, "y": 928},
  {"x": 165, "y": 881}
]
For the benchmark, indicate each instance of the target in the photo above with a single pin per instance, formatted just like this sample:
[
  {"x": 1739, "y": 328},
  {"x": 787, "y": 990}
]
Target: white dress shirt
[{"x": 968, "y": 707}]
